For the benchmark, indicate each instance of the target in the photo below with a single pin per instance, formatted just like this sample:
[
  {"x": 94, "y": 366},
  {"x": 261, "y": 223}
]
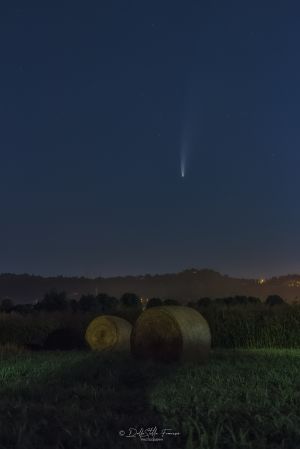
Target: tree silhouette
[
  {"x": 171, "y": 302},
  {"x": 106, "y": 303},
  {"x": 7, "y": 305},
  {"x": 23, "y": 308},
  {"x": 274, "y": 300},
  {"x": 74, "y": 305},
  {"x": 253, "y": 300},
  {"x": 130, "y": 300},
  {"x": 154, "y": 302},
  {"x": 87, "y": 303},
  {"x": 204, "y": 302},
  {"x": 53, "y": 301}
]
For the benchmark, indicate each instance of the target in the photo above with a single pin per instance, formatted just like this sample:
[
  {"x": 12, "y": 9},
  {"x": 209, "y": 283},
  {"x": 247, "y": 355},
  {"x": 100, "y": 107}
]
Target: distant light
[
  {"x": 144, "y": 302},
  {"x": 261, "y": 281}
]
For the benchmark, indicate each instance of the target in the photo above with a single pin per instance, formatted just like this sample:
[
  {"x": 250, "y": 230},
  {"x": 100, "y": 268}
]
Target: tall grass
[
  {"x": 254, "y": 326},
  {"x": 34, "y": 328}
]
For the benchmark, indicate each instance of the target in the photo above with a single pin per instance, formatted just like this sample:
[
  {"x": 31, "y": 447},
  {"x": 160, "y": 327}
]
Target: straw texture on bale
[
  {"x": 107, "y": 333},
  {"x": 171, "y": 333}
]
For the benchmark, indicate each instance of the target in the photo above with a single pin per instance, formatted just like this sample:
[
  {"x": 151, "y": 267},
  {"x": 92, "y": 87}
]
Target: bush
[
  {"x": 6, "y": 305},
  {"x": 204, "y": 302},
  {"x": 130, "y": 314},
  {"x": 53, "y": 301},
  {"x": 171, "y": 302},
  {"x": 130, "y": 300},
  {"x": 107, "y": 304},
  {"x": 153, "y": 302},
  {"x": 23, "y": 309},
  {"x": 32, "y": 330},
  {"x": 254, "y": 300},
  {"x": 232, "y": 301},
  {"x": 73, "y": 305},
  {"x": 64, "y": 339},
  {"x": 274, "y": 300},
  {"x": 87, "y": 303}
]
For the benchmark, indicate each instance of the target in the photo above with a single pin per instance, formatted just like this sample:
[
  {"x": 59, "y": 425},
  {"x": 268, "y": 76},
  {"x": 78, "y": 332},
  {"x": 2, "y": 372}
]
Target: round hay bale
[
  {"x": 109, "y": 333},
  {"x": 171, "y": 333}
]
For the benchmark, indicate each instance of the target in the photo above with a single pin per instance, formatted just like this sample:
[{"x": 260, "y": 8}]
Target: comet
[
  {"x": 183, "y": 156},
  {"x": 182, "y": 168},
  {"x": 191, "y": 124}
]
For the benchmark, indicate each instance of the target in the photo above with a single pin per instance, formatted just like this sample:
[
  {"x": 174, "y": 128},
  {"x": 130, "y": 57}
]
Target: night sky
[{"x": 99, "y": 100}]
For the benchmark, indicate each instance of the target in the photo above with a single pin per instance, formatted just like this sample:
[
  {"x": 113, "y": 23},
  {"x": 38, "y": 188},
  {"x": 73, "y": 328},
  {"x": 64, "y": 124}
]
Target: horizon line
[{"x": 147, "y": 274}]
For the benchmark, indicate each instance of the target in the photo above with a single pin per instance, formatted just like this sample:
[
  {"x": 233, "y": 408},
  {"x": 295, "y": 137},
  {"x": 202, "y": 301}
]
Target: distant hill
[{"x": 187, "y": 285}]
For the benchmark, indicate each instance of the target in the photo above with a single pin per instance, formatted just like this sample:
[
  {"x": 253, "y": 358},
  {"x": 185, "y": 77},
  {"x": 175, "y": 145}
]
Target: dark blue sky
[{"x": 97, "y": 99}]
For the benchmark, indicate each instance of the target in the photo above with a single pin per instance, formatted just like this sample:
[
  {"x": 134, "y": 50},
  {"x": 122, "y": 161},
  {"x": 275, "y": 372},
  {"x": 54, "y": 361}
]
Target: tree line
[{"x": 103, "y": 303}]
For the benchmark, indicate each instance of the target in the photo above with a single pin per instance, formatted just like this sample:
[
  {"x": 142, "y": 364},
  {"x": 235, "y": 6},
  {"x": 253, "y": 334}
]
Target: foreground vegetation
[
  {"x": 253, "y": 326},
  {"x": 256, "y": 326},
  {"x": 246, "y": 397},
  {"x": 240, "y": 400}
]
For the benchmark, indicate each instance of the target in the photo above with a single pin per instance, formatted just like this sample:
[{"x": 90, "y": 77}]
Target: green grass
[
  {"x": 256, "y": 326},
  {"x": 74, "y": 400},
  {"x": 253, "y": 326}
]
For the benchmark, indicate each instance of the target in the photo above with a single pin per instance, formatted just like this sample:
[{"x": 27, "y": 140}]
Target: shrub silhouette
[
  {"x": 106, "y": 303},
  {"x": 130, "y": 300},
  {"x": 204, "y": 302},
  {"x": 23, "y": 309},
  {"x": 274, "y": 300},
  {"x": 171, "y": 302},
  {"x": 6, "y": 305},
  {"x": 64, "y": 339},
  {"x": 154, "y": 302},
  {"x": 87, "y": 303},
  {"x": 53, "y": 301},
  {"x": 237, "y": 300}
]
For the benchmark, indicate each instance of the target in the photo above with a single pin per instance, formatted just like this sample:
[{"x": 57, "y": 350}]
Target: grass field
[
  {"x": 240, "y": 399},
  {"x": 256, "y": 326}
]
